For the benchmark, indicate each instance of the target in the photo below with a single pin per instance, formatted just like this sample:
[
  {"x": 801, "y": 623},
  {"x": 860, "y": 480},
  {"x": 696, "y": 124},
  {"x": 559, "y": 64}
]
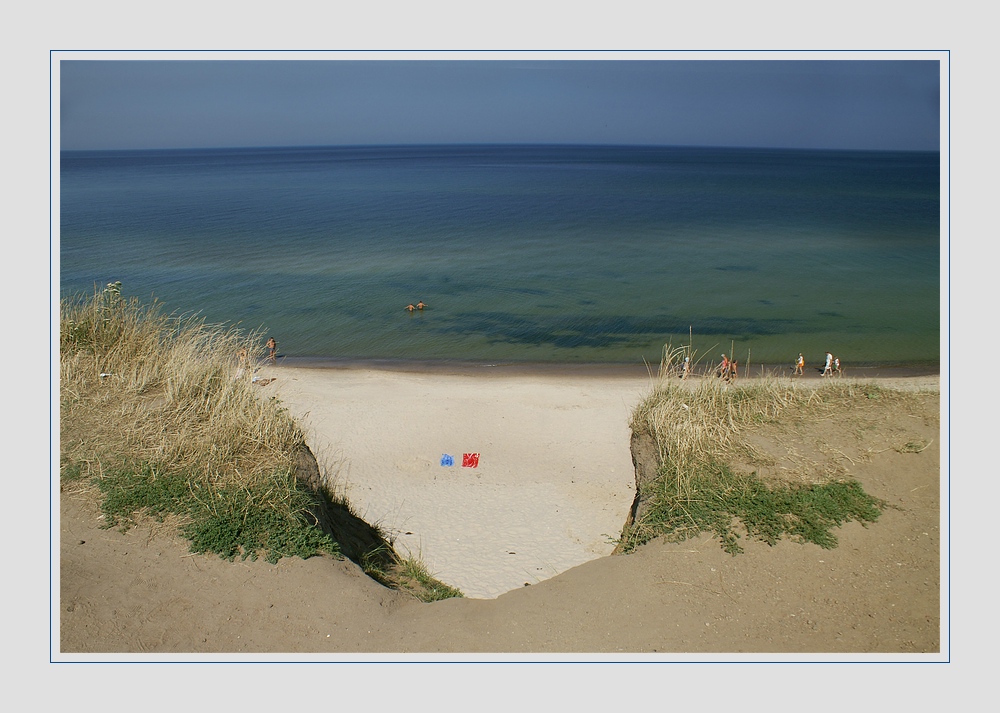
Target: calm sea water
[{"x": 522, "y": 253}]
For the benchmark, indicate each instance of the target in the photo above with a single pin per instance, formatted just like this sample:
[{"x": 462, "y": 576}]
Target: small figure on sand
[
  {"x": 732, "y": 371},
  {"x": 244, "y": 362},
  {"x": 836, "y": 366},
  {"x": 272, "y": 349},
  {"x": 800, "y": 365},
  {"x": 828, "y": 367},
  {"x": 686, "y": 369},
  {"x": 723, "y": 371}
]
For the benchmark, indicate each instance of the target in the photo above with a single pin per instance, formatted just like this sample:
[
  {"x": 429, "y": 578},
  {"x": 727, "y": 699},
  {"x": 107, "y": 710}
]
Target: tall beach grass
[
  {"x": 139, "y": 385},
  {"x": 161, "y": 417},
  {"x": 161, "y": 414}
]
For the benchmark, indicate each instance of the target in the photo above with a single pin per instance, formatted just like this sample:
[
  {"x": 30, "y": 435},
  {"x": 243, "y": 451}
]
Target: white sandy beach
[{"x": 552, "y": 488}]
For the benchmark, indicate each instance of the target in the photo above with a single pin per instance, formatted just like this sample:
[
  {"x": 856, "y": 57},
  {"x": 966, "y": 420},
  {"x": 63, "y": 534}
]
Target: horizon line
[{"x": 553, "y": 144}]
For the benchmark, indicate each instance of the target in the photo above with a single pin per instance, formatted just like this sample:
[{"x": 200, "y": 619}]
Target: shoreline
[{"x": 888, "y": 370}]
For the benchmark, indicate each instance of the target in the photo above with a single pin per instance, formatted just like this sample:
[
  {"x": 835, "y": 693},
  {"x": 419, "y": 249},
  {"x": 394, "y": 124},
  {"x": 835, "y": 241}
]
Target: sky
[{"x": 150, "y": 103}]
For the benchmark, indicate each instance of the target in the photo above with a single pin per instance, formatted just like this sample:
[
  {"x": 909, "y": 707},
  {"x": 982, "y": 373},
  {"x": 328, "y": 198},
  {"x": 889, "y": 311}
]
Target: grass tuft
[
  {"x": 411, "y": 575},
  {"x": 408, "y": 574}
]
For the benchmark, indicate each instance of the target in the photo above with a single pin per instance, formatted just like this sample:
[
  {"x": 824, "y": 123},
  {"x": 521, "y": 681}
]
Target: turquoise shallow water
[{"x": 554, "y": 254}]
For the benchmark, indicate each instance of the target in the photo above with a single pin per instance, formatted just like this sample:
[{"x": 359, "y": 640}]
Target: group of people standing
[
  {"x": 246, "y": 367},
  {"x": 830, "y": 368},
  {"x": 727, "y": 369}
]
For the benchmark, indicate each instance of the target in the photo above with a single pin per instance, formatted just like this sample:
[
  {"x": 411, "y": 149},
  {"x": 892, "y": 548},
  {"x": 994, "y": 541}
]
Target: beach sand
[{"x": 552, "y": 490}]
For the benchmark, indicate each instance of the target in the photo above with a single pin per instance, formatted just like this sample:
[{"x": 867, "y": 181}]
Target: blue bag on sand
[{"x": 447, "y": 460}]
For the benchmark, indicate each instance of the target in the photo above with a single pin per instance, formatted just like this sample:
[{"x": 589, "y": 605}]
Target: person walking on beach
[
  {"x": 836, "y": 366},
  {"x": 272, "y": 349},
  {"x": 729, "y": 370},
  {"x": 686, "y": 369},
  {"x": 828, "y": 368},
  {"x": 800, "y": 365},
  {"x": 723, "y": 371}
]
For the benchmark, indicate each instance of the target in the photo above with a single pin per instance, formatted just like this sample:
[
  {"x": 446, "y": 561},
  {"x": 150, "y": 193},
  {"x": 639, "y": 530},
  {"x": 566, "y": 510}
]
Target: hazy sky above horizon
[{"x": 174, "y": 103}]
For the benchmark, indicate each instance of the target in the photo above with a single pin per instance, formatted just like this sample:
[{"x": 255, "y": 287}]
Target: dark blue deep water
[{"x": 565, "y": 254}]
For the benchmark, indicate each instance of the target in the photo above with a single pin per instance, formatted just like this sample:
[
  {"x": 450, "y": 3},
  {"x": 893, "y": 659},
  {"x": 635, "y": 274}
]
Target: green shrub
[
  {"x": 229, "y": 521},
  {"x": 720, "y": 501}
]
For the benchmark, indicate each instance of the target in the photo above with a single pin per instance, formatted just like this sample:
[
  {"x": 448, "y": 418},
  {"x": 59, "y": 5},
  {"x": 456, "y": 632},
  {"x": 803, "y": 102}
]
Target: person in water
[{"x": 420, "y": 305}]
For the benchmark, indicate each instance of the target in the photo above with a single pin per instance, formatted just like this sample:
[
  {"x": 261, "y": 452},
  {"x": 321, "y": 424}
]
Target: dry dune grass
[
  {"x": 138, "y": 385},
  {"x": 160, "y": 418},
  {"x": 694, "y": 424}
]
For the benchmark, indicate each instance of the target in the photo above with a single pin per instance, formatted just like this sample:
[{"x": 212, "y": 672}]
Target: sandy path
[{"x": 551, "y": 491}]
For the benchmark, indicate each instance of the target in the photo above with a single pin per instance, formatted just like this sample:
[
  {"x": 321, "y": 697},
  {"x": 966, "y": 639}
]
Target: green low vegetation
[
  {"x": 227, "y": 520},
  {"x": 407, "y": 574},
  {"x": 160, "y": 421},
  {"x": 716, "y": 498},
  {"x": 721, "y": 467}
]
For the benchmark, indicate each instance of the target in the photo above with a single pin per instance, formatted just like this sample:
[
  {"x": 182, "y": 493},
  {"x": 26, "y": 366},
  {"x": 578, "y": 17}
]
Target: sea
[{"x": 523, "y": 254}]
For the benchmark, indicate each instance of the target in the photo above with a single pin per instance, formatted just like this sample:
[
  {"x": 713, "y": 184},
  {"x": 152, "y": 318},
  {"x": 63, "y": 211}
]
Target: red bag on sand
[{"x": 470, "y": 460}]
